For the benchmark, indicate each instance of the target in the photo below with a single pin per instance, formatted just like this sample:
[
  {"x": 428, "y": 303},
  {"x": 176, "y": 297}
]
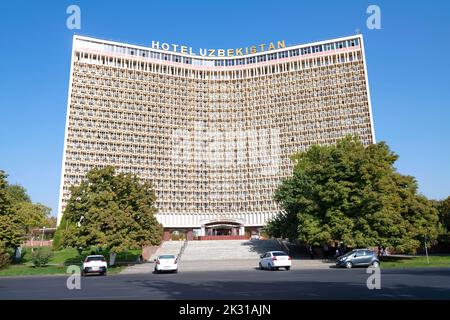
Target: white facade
[{"x": 213, "y": 135}]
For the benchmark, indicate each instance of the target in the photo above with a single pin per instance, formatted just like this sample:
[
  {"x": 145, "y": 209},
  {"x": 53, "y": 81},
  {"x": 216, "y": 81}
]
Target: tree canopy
[
  {"x": 12, "y": 231},
  {"x": 109, "y": 210},
  {"x": 17, "y": 193},
  {"x": 352, "y": 193},
  {"x": 18, "y": 215},
  {"x": 443, "y": 207}
]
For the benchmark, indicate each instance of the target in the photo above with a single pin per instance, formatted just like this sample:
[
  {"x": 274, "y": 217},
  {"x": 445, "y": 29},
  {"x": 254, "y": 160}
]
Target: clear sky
[{"x": 408, "y": 65}]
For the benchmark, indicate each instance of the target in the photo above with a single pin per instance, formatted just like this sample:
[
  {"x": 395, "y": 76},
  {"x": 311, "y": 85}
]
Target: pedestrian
[
  {"x": 341, "y": 250},
  {"x": 379, "y": 249},
  {"x": 325, "y": 251},
  {"x": 311, "y": 252}
]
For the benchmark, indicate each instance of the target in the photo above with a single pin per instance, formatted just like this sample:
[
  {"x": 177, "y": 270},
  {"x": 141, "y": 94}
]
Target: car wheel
[
  {"x": 348, "y": 265},
  {"x": 260, "y": 266},
  {"x": 375, "y": 264},
  {"x": 288, "y": 268},
  {"x": 271, "y": 268}
]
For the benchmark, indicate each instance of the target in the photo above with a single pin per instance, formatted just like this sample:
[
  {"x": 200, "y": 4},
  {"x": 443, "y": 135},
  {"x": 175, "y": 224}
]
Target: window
[
  {"x": 294, "y": 53},
  {"x": 341, "y": 45},
  {"x": 329, "y": 46},
  {"x": 360, "y": 253},
  {"x": 261, "y": 58},
  {"x": 317, "y": 49},
  {"x": 306, "y": 50}
]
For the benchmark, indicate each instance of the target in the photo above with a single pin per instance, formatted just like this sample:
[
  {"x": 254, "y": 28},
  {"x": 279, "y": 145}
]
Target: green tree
[
  {"x": 444, "y": 213},
  {"x": 12, "y": 230},
  {"x": 352, "y": 193},
  {"x": 4, "y": 199},
  {"x": 4, "y": 256},
  {"x": 32, "y": 215},
  {"x": 110, "y": 210},
  {"x": 18, "y": 215},
  {"x": 4, "y": 207},
  {"x": 17, "y": 193}
]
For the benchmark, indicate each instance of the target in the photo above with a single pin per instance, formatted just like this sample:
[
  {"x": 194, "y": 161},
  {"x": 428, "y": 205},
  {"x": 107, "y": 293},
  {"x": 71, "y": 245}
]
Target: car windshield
[
  {"x": 97, "y": 258},
  {"x": 277, "y": 254},
  {"x": 167, "y": 257}
]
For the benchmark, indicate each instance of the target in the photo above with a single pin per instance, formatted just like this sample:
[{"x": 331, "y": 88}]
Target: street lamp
[{"x": 42, "y": 238}]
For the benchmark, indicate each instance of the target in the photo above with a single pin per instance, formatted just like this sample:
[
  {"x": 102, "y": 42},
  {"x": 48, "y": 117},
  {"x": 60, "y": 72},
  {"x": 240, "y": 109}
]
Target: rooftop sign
[{"x": 233, "y": 52}]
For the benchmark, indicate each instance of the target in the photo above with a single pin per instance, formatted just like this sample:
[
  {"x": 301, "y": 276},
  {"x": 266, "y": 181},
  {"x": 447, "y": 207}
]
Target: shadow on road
[{"x": 286, "y": 290}]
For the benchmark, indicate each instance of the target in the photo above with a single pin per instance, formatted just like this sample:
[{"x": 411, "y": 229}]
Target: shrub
[
  {"x": 4, "y": 257},
  {"x": 57, "y": 240},
  {"x": 41, "y": 256}
]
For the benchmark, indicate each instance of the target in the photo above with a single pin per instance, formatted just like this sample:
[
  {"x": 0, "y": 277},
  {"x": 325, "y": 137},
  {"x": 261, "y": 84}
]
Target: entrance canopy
[{"x": 222, "y": 227}]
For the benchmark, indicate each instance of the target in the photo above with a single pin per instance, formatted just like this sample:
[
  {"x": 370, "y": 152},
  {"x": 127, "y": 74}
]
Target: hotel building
[{"x": 212, "y": 134}]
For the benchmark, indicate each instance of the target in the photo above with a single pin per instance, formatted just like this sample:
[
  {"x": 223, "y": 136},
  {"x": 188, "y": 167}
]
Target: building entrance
[{"x": 222, "y": 228}]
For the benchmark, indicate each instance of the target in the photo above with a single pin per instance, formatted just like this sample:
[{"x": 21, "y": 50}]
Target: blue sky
[{"x": 408, "y": 65}]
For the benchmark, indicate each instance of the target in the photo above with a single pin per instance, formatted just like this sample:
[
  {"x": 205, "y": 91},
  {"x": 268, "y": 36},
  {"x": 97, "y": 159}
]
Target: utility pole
[{"x": 426, "y": 250}]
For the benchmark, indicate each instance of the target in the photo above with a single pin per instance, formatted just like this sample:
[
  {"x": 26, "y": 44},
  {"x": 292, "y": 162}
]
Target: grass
[
  {"x": 63, "y": 258},
  {"x": 415, "y": 262},
  {"x": 25, "y": 270}
]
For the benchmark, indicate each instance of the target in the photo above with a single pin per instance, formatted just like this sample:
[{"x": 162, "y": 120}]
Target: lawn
[
  {"x": 63, "y": 258},
  {"x": 415, "y": 262}
]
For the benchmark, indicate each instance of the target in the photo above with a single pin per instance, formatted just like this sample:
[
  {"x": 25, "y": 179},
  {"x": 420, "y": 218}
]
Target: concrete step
[
  {"x": 168, "y": 247},
  {"x": 228, "y": 249},
  {"x": 139, "y": 268}
]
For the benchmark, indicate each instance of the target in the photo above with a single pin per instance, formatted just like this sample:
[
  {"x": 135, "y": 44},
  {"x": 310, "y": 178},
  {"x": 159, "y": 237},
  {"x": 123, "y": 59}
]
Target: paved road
[{"x": 234, "y": 284}]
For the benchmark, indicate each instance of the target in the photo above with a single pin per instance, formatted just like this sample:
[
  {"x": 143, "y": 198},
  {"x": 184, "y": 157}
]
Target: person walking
[
  {"x": 326, "y": 253},
  {"x": 311, "y": 252}
]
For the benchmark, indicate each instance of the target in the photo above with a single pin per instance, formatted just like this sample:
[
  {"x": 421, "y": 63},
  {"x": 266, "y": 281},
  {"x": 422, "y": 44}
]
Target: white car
[
  {"x": 94, "y": 264},
  {"x": 273, "y": 260},
  {"x": 255, "y": 236},
  {"x": 166, "y": 262}
]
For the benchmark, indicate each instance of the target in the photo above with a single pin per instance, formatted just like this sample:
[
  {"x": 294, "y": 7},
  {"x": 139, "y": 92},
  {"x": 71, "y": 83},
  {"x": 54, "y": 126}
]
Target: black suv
[{"x": 358, "y": 258}]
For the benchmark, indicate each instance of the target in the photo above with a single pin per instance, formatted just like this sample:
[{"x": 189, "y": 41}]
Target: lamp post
[
  {"x": 426, "y": 249},
  {"x": 42, "y": 238}
]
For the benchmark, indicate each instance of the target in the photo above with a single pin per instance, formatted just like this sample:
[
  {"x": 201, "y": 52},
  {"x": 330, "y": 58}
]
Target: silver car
[{"x": 358, "y": 258}]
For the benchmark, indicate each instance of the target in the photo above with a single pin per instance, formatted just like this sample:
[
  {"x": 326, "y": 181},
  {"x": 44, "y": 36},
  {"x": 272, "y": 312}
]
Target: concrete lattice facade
[{"x": 213, "y": 135}]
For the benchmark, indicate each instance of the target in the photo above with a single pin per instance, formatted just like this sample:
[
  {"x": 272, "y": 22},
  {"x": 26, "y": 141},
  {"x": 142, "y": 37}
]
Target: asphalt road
[{"x": 238, "y": 285}]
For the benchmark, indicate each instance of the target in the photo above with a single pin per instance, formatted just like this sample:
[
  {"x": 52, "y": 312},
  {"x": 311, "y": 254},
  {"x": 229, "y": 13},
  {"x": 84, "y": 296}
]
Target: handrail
[
  {"x": 282, "y": 244},
  {"x": 183, "y": 247}
]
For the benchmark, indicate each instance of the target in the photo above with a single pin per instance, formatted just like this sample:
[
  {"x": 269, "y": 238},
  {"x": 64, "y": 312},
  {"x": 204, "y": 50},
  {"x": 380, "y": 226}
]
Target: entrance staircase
[
  {"x": 228, "y": 250},
  {"x": 168, "y": 247}
]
